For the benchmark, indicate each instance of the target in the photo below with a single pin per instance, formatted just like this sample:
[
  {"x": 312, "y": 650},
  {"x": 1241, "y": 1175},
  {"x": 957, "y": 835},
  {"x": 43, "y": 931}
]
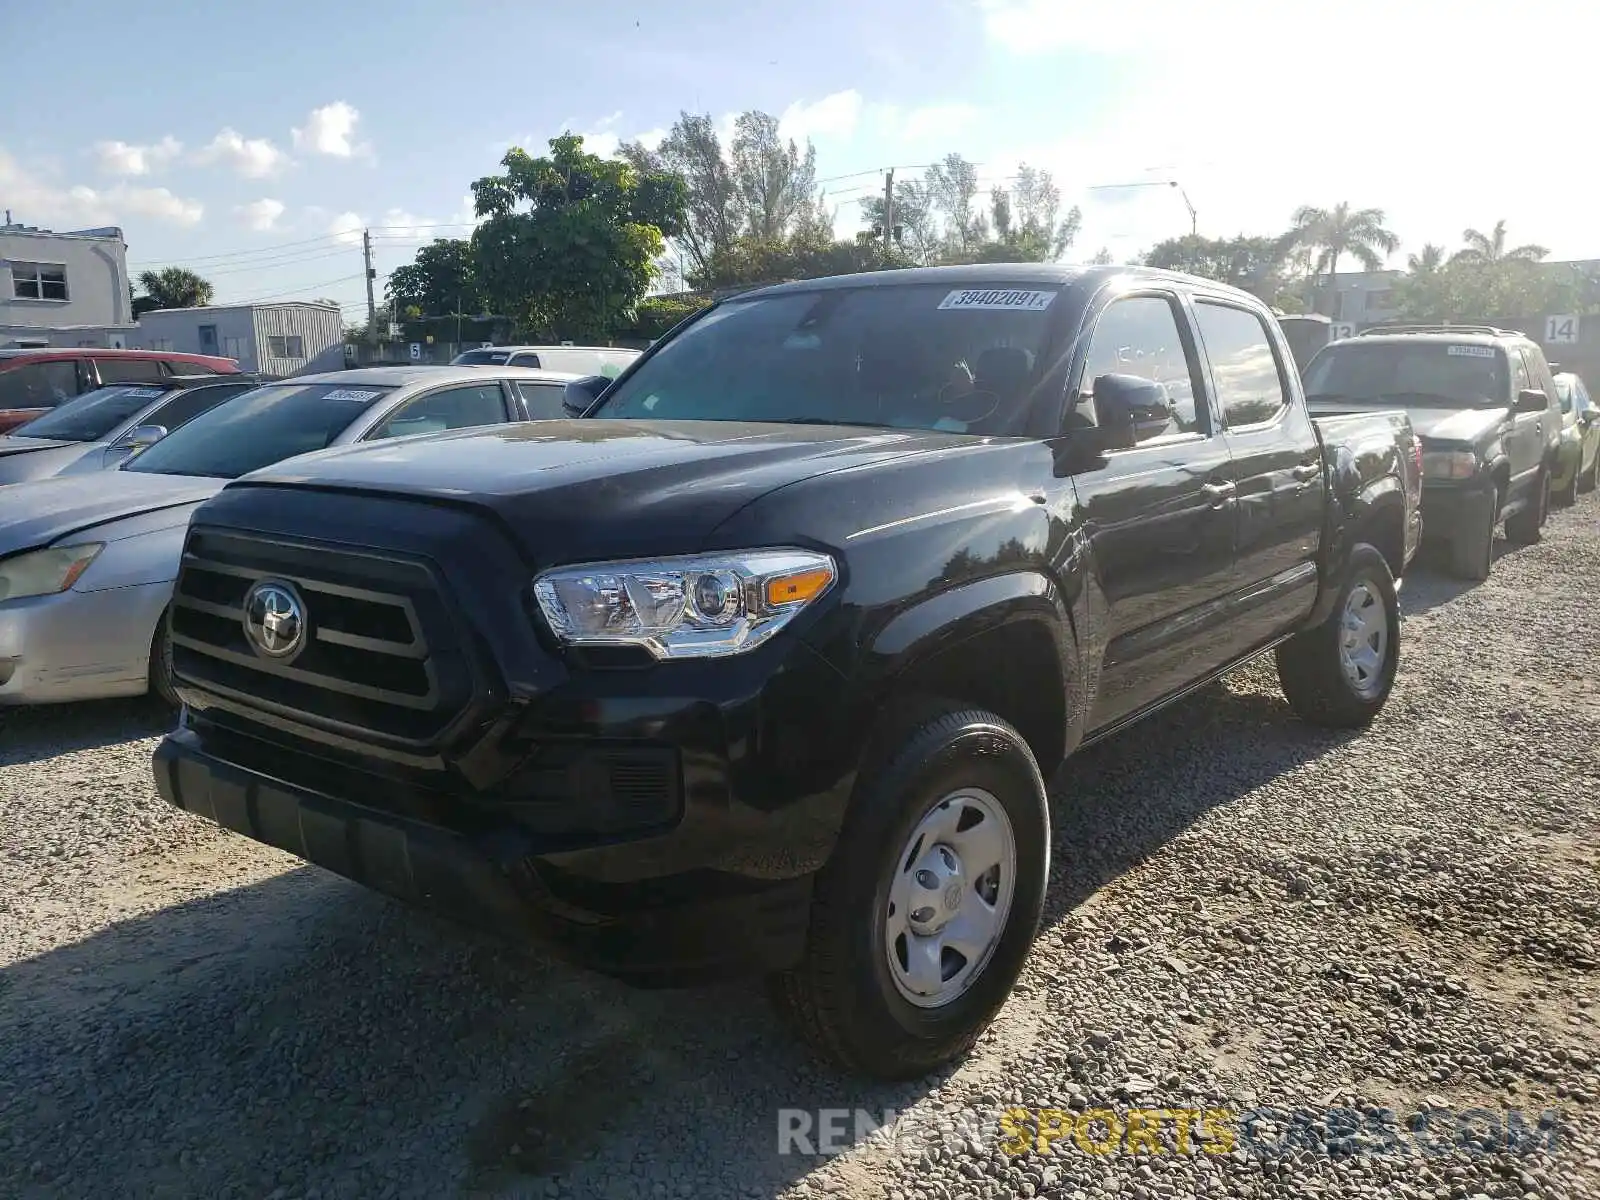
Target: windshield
[
  {"x": 482, "y": 358},
  {"x": 1416, "y": 372},
  {"x": 93, "y": 415},
  {"x": 913, "y": 356},
  {"x": 258, "y": 428}
]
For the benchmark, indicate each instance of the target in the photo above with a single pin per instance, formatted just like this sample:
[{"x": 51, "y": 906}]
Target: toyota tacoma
[{"x": 762, "y": 662}]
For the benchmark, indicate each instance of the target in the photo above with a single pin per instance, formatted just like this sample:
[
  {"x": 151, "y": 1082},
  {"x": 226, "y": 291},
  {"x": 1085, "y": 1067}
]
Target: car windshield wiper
[{"x": 1440, "y": 397}]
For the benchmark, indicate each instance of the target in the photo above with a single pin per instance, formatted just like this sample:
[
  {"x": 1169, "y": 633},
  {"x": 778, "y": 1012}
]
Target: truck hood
[
  {"x": 10, "y": 444},
  {"x": 1455, "y": 424},
  {"x": 44, "y": 511},
  {"x": 595, "y": 486}
]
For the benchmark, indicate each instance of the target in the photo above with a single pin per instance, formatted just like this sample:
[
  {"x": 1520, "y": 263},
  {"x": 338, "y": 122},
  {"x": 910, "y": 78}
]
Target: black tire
[
  {"x": 1472, "y": 549},
  {"x": 1310, "y": 664},
  {"x": 1527, "y": 526},
  {"x": 842, "y": 997},
  {"x": 161, "y": 665},
  {"x": 1567, "y": 496}
]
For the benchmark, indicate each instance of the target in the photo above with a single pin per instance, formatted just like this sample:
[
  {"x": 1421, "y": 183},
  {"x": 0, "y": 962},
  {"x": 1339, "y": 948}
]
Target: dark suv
[{"x": 1485, "y": 405}]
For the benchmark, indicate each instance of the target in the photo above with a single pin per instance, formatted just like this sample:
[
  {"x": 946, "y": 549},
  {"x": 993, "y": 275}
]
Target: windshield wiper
[{"x": 1452, "y": 401}]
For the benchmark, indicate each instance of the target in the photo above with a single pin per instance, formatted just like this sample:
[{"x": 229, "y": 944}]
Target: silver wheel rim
[
  {"x": 949, "y": 898},
  {"x": 1364, "y": 640}
]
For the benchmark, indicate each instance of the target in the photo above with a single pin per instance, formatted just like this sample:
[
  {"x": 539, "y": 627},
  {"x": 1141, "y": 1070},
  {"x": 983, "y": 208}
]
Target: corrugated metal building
[{"x": 289, "y": 338}]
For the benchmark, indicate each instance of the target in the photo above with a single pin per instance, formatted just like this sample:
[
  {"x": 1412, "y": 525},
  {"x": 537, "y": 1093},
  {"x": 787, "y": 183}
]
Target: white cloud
[
  {"x": 347, "y": 227},
  {"x": 1210, "y": 93},
  {"x": 37, "y": 200},
  {"x": 936, "y": 121},
  {"x": 603, "y": 142},
  {"x": 261, "y": 215},
  {"x": 330, "y": 130},
  {"x": 124, "y": 158},
  {"x": 651, "y": 139},
  {"x": 835, "y": 115},
  {"x": 253, "y": 158}
]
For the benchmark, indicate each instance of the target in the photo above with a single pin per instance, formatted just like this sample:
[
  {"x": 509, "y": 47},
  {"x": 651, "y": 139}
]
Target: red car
[{"x": 34, "y": 381}]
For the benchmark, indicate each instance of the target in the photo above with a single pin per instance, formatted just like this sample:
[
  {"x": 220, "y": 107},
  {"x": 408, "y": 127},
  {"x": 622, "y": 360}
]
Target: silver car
[
  {"x": 87, "y": 561},
  {"x": 104, "y": 428}
]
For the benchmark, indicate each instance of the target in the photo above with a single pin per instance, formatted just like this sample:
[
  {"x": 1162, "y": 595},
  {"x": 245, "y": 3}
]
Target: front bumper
[
  {"x": 78, "y": 645},
  {"x": 494, "y": 878}
]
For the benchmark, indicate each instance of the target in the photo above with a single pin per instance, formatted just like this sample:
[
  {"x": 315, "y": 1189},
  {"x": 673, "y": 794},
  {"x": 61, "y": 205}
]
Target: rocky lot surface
[{"x": 1287, "y": 930}]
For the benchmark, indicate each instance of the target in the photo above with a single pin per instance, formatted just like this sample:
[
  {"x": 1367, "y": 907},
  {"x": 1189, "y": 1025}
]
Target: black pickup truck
[
  {"x": 763, "y": 663},
  {"x": 1485, "y": 406}
]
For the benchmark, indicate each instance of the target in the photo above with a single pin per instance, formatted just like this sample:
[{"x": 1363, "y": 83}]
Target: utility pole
[
  {"x": 888, "y": 212},
  {"x": 372, "y": 306}
]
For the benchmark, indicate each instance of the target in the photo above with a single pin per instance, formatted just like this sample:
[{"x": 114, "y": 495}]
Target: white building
[
  {"x": 64, "y": 289},
  {"x": 287, "y": 338}
]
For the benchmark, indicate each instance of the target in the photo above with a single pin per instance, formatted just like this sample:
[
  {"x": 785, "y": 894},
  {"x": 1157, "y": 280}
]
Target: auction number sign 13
[{"x": 1561, "y": 329}]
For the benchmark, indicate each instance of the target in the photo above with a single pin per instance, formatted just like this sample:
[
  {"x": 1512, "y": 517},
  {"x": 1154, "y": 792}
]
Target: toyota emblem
[{"x": 274, "y": 620}]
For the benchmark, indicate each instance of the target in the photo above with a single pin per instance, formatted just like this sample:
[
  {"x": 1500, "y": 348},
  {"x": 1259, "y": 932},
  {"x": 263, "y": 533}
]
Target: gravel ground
[{"x": 1247, "y": 915}]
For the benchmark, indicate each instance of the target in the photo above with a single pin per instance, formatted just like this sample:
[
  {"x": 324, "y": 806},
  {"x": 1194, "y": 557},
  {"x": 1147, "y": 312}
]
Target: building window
[
  {"x": 286, "y": 346},
  {"x": 38, "y": 281}
]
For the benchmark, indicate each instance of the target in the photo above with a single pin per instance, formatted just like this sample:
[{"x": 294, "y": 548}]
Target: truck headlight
[
  {"x": 46, "y": 572},
  {"x": 689, "y": 606},
  {"x": 1449, "y": 464}
]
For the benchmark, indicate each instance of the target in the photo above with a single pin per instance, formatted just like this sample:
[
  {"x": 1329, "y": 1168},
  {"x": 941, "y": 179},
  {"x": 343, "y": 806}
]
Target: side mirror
[
  {"x": 581, "y": 393},
  {"x": 1130, "y": 409},
  {"x": 1532, "y": 400},
  {"x": 141, "y": 437}
]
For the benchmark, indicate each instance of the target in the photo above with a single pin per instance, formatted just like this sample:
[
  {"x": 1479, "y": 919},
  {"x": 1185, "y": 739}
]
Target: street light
[{"x": 1194, "y": 223}]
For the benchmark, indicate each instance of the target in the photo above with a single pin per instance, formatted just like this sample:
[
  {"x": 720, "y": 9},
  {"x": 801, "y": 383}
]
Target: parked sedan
[
  {"x": 1578, "y": 461},
  {"x": 104, "y": 428},
  {"x": 87, "y": 561}
]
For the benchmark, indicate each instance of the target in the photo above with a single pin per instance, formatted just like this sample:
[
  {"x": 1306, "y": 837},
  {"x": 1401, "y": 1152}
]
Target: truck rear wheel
[
  {"x": 923, "y": 917},
  {"x": 1340, "y": 674}
]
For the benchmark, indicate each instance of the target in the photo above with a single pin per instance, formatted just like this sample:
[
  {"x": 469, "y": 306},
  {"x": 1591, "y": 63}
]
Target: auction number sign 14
[{"x": 1561, "y": 329}]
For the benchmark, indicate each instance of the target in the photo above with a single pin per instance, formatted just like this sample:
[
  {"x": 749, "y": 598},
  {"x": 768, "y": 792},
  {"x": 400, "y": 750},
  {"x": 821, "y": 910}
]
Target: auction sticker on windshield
[
  {"x": 991, "y": 299},
  {"x": 350, "y": 394},
  {"x": 1472, "y": 351},
  {"x": 142, "y": 393}
]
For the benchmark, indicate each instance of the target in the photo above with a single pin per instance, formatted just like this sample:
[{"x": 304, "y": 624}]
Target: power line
[
  {"x": 310, "y": 287},
  {"x": 327, "y": 237}
]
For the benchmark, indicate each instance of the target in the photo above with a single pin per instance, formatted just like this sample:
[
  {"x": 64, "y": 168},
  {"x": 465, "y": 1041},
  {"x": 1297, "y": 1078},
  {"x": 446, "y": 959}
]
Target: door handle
[
  {"x": 1219, "y": 493},
  {"x": 1306, "y": 472}
]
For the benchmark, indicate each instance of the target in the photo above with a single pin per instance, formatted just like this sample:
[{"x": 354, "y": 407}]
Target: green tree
[
  {"x": 914, "y": 218},
  {"x": 776, "y": 182},
  {"x": 693, "y": 152},
  {"x": 1331, "y": 234},
  {"x": 172, "y": 287},
  {"x": 1489, "y": 249},
  {"x": 569, "y": 241},
  {"x": 438, "y": 282},
  {"x": 952, "y": 187},
  {"x": 1252, "y": 263},
  {"x": 1426, "y": 261}
]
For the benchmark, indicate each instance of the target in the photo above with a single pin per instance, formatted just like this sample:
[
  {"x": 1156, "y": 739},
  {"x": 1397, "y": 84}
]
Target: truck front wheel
[
  {"x": 923, "y": 917},
  {"x": 1340, "y": 673}
]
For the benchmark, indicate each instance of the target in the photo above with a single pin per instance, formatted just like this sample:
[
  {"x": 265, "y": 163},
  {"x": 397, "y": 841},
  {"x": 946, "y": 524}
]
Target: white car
[
  {"x": 87, "y": 562},
  {"x": 609, "y": 361}
]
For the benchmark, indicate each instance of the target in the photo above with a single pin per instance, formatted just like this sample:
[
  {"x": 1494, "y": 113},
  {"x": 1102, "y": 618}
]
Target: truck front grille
[{"x": 379, "y": 653}]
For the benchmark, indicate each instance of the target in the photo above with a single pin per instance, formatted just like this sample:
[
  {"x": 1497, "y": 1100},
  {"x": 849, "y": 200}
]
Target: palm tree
[
  {"x": 1488, "y": 249},
  {"x": 1330, "y": 234},
  {"x": 175, "y": 287},
  {"x": 1428, "y": 260}
]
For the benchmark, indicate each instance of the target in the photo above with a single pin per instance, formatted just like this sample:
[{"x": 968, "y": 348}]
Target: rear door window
[
  {"x": 1244, "y": 368},
  {"x": 189, "y": 368},
  {"x": 39, "y": 384},
  {"x": 128, "y": 370}
]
